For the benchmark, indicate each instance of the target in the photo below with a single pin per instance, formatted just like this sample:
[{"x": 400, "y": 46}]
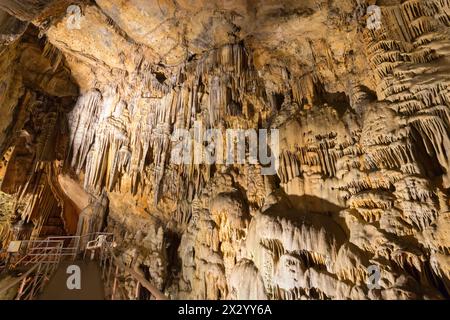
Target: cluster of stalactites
[{"x": 111, "y": 138}]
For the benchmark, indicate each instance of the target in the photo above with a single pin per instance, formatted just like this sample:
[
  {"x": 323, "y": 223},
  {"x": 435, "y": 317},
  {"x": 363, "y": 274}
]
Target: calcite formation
[{"x": 93, "y": 94}]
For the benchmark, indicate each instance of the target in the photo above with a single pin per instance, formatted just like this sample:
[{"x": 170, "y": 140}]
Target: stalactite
[
  {"x": 97, "y": 150},
  {"x": 364, "y": 127}
]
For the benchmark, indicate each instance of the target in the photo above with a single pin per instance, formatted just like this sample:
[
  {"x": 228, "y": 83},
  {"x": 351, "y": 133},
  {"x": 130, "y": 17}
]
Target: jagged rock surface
[{"x": 363, "y": 118}]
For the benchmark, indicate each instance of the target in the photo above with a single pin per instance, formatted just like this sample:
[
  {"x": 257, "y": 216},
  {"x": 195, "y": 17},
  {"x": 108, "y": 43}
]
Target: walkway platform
[{"x": 91, "y": 283}]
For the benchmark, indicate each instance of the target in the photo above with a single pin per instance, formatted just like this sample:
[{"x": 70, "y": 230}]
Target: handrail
[
  {"x": 75, "y": 248},
  {"x": 85, "y": 235},
  {"x": 108, "y": 261},
  {"x": 40, "y": 277},
  {"x": 18, "y": 280},
  {"x": 30, "y": 255},
  {"x": 113, "y": 268},
  {"x": 143, "y": 282}
]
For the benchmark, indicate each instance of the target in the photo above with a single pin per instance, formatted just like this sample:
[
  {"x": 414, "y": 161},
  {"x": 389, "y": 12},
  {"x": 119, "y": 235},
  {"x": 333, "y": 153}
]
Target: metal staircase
[{"x": 39, "y": 260}]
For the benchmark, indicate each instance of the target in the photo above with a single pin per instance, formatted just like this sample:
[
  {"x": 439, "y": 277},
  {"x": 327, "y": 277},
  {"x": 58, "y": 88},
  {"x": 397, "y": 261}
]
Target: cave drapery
[{"x": 90, "y": 99}]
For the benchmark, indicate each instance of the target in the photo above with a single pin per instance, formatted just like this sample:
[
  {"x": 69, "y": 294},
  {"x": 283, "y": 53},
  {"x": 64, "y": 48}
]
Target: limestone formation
[{"x": 94, "y": 93}]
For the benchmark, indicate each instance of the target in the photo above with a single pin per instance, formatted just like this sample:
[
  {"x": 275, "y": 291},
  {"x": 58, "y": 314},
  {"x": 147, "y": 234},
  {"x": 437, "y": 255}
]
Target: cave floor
[{"x": 91, "y": 283}]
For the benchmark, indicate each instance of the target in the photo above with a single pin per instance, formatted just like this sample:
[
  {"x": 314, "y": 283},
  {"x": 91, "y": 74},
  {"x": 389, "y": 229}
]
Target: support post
[
  {"x": 22, "y": 287},
  {"x": 36, "y": 276},
  {"x": 116, "y": 273}
]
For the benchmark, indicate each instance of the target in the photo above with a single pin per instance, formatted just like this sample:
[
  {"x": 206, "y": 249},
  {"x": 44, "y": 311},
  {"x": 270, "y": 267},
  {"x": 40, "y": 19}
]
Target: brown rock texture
[{"x": 92, "y": 94}]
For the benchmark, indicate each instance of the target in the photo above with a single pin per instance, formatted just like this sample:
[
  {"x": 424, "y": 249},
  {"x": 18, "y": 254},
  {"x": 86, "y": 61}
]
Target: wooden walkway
[{"x": 91, "y": 283}]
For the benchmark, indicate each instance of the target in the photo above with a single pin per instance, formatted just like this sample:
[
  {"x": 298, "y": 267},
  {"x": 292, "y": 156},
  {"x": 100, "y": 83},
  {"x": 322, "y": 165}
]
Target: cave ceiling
[{"x": 92, "y": 92}]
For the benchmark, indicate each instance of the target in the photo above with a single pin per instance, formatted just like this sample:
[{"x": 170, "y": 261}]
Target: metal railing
[
  {"x": 32, "y": 251},
  {"x": 45, "y": 261},
  {"x": 44, "y": 257},
  {"x": 115, "y": 274},
  {"x": 76, "y": 245}
]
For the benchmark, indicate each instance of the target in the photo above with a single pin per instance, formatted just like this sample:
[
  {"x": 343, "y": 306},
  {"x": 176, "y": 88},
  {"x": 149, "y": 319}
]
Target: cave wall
[
  {"x": 363, "y": 120},
  {"x": 37, "y": 92}
]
